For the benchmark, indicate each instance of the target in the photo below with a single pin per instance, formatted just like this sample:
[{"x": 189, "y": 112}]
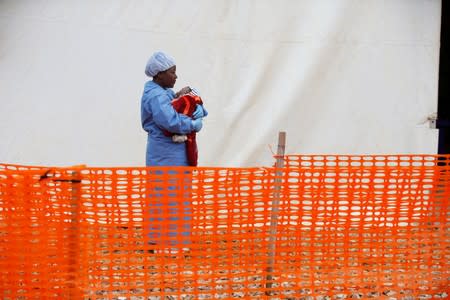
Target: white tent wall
[{"x": 339, "y": 76}]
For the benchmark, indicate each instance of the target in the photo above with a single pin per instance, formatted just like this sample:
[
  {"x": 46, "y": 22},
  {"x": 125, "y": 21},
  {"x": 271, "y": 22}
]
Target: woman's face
[{"x": 168, "y": 78}]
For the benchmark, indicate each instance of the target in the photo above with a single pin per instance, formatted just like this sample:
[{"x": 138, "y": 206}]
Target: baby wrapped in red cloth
[{"x": 186, "y": 104}]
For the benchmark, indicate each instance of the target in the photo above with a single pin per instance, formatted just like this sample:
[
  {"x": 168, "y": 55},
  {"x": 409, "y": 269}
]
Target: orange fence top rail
[{"x": 346, "y": 226}]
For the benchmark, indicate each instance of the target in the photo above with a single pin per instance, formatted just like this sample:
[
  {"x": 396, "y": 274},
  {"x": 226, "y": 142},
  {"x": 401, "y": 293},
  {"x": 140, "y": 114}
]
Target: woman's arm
[{"x": 165, "y": 116}]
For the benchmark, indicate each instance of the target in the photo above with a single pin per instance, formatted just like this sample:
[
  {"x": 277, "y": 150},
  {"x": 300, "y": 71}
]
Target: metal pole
[{"x": 279, "y": 165}]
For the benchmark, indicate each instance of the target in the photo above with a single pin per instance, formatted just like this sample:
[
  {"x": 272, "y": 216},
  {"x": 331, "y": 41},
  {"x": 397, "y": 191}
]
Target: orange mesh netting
[{"x": 322, "y": 227}]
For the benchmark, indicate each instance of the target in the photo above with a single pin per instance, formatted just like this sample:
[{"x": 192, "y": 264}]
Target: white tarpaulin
[{"x": 339, "y": 76}]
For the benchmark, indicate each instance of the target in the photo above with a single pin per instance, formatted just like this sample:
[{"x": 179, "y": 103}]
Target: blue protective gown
[{"x": 157, "y": 113}]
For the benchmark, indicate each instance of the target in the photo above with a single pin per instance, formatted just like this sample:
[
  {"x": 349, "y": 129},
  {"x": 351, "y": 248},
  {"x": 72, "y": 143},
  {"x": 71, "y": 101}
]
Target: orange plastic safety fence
[{"x": 322, "y": 227}]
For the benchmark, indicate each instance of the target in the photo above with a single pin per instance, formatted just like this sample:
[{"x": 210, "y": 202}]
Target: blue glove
[
  {"x": 198, "y": 113},
  {"x": 197, "y": 124}
]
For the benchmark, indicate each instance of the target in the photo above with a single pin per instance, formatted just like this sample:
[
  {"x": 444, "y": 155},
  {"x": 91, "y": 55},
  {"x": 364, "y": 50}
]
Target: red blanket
[{"x": 186, "y": 105}]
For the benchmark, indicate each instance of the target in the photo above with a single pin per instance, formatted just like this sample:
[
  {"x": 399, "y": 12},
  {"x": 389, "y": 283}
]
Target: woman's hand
[{"x": 198, "y": 113}]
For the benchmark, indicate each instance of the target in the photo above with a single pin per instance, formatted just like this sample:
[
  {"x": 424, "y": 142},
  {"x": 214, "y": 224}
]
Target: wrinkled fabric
[
  {"x": 157, "y": 115},
  {"x": 187, "y": 104},
  {"x": 158, "y": 62}
]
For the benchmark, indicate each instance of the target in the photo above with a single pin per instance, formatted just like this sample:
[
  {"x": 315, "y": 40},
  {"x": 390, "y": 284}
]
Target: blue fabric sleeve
[{"x": 165, "y": 116}]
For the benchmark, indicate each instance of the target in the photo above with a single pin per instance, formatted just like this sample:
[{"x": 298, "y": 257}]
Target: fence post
[
  {"x": 75, "y": 229},
  {"x": 274, "y": 212},
  {"x": 74, "y": 179}
]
